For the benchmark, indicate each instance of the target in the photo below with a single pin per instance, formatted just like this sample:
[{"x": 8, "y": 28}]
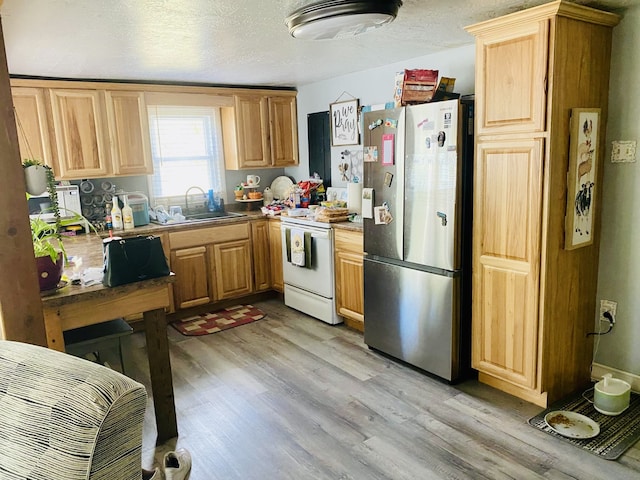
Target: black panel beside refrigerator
[{"x": 417, "y": 267}]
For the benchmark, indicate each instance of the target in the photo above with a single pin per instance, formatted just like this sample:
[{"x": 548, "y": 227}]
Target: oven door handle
[{"x": 314, "y": 233}]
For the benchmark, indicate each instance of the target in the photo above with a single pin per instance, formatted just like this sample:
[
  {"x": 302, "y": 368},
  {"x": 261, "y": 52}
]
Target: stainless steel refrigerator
[{"x": 417, "y": 239}]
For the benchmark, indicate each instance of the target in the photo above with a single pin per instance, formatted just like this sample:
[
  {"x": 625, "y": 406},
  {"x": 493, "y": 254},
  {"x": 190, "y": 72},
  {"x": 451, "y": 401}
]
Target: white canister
[
  {"x": 267, "y": 196},
  {"x": 611, "y": 396}
]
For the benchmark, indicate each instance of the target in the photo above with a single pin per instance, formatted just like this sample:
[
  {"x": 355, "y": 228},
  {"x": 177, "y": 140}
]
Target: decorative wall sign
[
  {"x": 344, "y": 123},
  {"x": 581, "y": 181}
]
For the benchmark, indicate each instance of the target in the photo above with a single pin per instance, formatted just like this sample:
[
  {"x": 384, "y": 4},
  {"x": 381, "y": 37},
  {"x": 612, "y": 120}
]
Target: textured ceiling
[{"x": 237, "y": 42}]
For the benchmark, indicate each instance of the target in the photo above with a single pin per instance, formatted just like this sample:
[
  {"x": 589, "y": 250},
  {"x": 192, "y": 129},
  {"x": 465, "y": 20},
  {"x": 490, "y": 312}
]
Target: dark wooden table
[{"x": 77, "y": 306}]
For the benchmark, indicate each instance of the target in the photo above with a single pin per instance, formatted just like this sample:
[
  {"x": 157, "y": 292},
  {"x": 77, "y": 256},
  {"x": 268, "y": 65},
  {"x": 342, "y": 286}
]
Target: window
[{"x": 186, "y": 147}]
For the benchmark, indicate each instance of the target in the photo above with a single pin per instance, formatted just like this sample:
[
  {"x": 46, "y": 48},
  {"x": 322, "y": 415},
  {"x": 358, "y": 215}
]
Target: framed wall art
[
  {"x": 344, "y": 123},
  {"x": 581, "y": 180}
]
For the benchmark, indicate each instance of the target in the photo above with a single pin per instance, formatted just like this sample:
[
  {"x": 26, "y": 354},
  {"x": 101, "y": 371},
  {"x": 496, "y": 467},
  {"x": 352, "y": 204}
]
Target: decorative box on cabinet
[{"x": 533, "y": 301}]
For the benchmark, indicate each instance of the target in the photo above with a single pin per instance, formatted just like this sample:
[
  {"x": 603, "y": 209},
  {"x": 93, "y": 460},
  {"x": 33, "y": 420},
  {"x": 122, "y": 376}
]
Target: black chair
[{"x": 94, "y": 339}]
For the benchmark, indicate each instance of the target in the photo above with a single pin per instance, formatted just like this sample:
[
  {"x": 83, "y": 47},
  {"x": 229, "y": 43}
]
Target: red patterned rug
[{"x": 218, "y": 321}]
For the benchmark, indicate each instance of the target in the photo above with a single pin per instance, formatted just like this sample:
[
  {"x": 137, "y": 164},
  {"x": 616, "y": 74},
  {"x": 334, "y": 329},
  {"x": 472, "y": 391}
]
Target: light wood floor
[{"x": 289, "y": 397}]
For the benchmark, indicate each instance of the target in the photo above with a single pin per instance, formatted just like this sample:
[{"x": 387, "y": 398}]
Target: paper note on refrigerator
[
  {"x": 387, "y": 148},
  {"x": 367, "y": 203}
]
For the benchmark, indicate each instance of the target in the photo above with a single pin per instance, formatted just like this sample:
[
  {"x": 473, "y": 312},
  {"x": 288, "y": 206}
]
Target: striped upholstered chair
[{"x": 65, "y": 418}]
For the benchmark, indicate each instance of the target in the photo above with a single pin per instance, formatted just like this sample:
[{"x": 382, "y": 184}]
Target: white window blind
[{"x": 186, "y": 147}]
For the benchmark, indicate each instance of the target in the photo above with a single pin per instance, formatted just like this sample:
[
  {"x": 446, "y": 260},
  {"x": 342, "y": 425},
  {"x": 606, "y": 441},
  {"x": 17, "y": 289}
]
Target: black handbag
[{"x": 128, "y": 260}]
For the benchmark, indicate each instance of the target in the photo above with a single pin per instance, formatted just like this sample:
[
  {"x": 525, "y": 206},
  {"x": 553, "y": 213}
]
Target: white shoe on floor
[
  {"x": 177, "y": 465},
  {"x": 155, "y": 474}
]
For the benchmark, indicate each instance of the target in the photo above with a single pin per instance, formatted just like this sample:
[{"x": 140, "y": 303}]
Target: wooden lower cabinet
[
  {"x": 275, "y": 251},
  {"x": 260, "y": 255},
  {"x": 507, "y": 222},
  {"x": 349, "y": 279},
  {"x": 192, "y": 286},
  {"x": 231, "y": 269},
  {"x": 211, "y": 264}
]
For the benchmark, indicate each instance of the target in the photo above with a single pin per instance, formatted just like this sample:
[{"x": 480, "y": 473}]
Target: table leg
[
  {"x": 160, "y": 369},
  {"x": 53, "y": 329}
]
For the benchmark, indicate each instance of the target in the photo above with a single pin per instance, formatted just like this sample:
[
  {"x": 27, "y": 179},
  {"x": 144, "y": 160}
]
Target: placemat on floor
[
  {"x": 213, "y": 322},
  {"x": 617, "y": 434}
]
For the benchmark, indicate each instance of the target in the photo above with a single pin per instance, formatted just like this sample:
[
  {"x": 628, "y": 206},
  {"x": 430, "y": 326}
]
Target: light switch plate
[{"x": 623, "y": 151}]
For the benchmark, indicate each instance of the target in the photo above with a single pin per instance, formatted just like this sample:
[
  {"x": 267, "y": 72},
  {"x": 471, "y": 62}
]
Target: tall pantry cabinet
[{"x": 533, "y": 301}]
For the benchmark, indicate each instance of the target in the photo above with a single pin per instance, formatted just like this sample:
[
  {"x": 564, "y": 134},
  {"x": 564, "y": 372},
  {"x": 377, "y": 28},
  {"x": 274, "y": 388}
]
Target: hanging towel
[
  {"x": 297, "y": 247},
  {"x": 307, "y": 247}
]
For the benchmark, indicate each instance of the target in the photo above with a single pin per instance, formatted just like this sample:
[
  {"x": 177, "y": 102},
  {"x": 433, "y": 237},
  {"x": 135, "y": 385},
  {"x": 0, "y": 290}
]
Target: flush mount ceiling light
[{"x": 340, "y": 18}]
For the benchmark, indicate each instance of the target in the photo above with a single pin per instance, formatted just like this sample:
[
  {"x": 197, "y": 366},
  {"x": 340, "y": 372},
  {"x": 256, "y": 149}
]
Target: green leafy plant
[{"x": 46, "y": 237}]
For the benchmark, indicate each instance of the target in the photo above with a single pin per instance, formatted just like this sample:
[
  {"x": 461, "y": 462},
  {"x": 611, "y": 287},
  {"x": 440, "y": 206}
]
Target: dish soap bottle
[
  {"x": 108, "y": 223},
  {"x": 116, "y": 215},
  {"x": 127, "y": 214}
]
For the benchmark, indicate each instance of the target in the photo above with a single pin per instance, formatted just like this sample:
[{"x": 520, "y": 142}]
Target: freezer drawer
[{"x": 411, "y": 315}]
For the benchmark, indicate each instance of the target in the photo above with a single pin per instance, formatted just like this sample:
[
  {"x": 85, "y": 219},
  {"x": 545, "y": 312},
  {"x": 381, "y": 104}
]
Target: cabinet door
[
  {"x": 284, "y": 131},
  {"x": 506, "y": 259},
  {"x": 32, "y": 125},
  {"x": 129, "y": 133},
  {"x": 78, "y": 123},
  {"x": 511, "y": 79},
  {"x": 349, "y": 277},
  {"x": 275, "y": 249},
  {"x": 252, "y": 124},
  {"x": 231, "y": 268},
  {"x": 260, "y": 248},
  {"x": 191, "y": 287}
]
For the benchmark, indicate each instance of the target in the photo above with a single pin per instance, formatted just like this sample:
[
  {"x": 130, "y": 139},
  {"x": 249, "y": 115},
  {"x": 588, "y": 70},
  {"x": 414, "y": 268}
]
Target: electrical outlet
[{"x": 608, "y": 306}]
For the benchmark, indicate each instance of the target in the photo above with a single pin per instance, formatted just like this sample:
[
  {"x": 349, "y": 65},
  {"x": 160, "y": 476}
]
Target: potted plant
[
  {"x": 47, "y": 241},
  {"x": 36, "y": 176}
]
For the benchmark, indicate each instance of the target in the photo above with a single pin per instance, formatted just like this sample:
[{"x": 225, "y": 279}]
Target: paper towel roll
[{"x": 354, "y": 197}]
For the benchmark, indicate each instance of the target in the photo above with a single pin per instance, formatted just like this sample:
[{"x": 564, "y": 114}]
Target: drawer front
[{"x": 210, "y": 235}]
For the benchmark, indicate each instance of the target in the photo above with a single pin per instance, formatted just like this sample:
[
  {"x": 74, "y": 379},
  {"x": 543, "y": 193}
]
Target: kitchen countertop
[{"x": 88, "y": 247}]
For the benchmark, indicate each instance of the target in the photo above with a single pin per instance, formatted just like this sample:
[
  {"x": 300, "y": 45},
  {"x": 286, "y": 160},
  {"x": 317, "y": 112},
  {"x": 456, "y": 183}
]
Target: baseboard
[{"x": 597, "y": 372}]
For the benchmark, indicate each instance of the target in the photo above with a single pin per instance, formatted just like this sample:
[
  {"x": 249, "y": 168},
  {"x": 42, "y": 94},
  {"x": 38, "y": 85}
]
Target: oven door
[{"x": 317, "y": 278}]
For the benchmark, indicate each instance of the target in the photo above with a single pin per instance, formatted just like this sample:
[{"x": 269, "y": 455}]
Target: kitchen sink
[
  {"x": 202, "y": 216},
  {"x": 212, "y": 215}
]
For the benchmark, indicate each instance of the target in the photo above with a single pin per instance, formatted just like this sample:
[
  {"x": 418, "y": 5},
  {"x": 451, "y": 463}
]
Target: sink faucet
[{"x": 186, "y": 196}]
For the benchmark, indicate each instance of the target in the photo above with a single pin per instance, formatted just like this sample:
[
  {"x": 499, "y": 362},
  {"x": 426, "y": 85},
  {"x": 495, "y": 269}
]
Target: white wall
[
  {"x": 373, "y": 87},
  {"x": 619, "y": 276}
]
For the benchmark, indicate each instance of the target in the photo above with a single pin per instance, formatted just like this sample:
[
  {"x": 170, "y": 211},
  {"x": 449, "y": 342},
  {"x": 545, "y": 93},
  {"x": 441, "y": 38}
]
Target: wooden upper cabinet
[
  {"x": 252, "y": 123},
  {"x": 511, "y": 94},
  {"x": 79, "y": 127},
  {"x": 129, "y": 133},
  {"x": 260, "y": 131},
  {"x": 32, "y": 124},
  {"x": 284, "y": 131}
]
